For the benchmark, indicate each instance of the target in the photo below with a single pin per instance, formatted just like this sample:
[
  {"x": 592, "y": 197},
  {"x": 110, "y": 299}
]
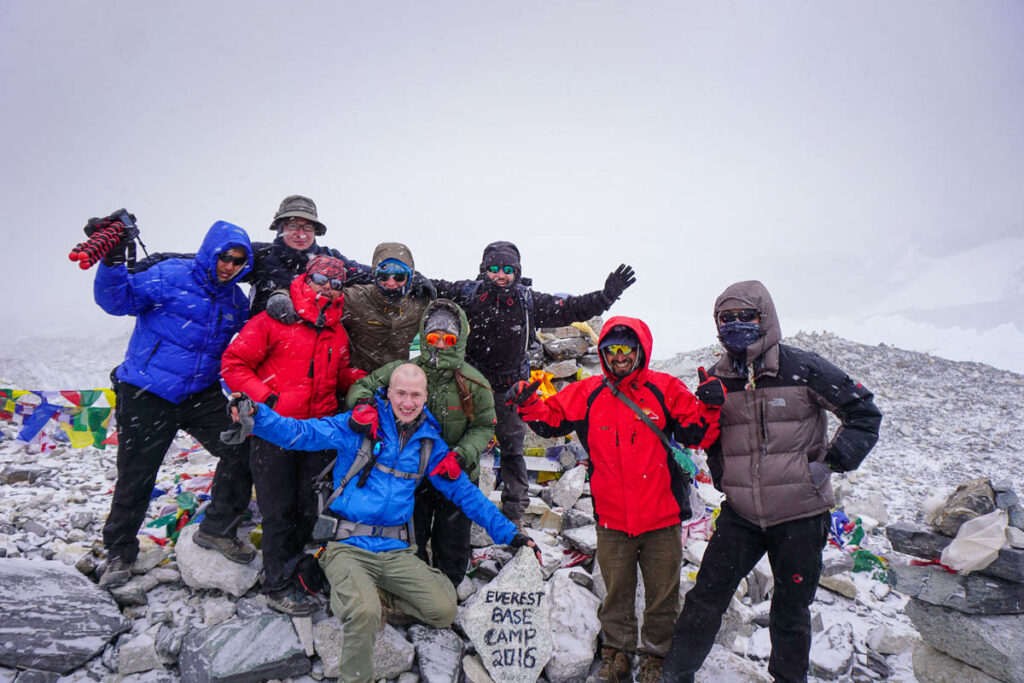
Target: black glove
[
  {"x": 127, "y": 232},
  {"x": 281, "y": 308},
  {"x": 521, "y": 539},
  {"x": 618, "y": 281},
  {"x": 521, "y": 393},
  {"x": 421, "y": 287},
  {"x": 711, "y": 391},
  {"x": 236, "y": 433}
]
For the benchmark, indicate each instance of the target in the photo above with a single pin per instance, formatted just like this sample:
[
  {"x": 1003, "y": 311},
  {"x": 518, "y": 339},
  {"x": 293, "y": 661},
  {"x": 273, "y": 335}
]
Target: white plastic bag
[{"x": 977, "y": 543}]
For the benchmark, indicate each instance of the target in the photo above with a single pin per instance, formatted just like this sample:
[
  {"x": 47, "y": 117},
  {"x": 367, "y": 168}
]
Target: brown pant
[{"x": 659, "y": 554}]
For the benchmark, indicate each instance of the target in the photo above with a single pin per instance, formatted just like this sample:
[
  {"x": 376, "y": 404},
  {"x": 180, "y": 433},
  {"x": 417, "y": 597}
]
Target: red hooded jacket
[
  {"x": 304, "y": 364},
  {"x": 634, "y": 487}
]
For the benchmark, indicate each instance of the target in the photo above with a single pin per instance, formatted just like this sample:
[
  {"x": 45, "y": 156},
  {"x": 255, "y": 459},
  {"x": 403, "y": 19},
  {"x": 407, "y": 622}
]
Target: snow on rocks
[
  {"x": 202, "y": 568},
  {"x": 574, "y": 628},
  {"x": 256, "y": 649}
]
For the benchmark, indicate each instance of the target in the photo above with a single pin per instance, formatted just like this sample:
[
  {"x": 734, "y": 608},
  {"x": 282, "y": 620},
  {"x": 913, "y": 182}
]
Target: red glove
[
  {"x": 364, "y": 420},
  {"x": 711, "y": 391},
  {"x": 522, "y": 393},
  {"x": 448, "y": 467}
]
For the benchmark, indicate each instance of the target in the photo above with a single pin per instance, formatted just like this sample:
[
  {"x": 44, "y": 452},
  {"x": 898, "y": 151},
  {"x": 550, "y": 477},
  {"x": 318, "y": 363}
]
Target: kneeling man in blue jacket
[{"x": 372, "y": 549}]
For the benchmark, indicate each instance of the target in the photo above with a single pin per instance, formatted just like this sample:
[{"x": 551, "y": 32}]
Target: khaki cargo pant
[{"x": 409, "y": 585}]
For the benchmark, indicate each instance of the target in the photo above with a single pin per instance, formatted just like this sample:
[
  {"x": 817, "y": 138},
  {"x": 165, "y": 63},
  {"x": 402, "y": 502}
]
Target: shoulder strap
[
  {"x": 362, "y": 457},
  {"x": 465, "y": 396},
  {"x": 425, "y": 448},
  {"x": 640, "y": 413}
]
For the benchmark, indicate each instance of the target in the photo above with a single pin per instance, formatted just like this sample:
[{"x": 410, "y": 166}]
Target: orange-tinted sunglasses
[{"x": 434, "y": 337}]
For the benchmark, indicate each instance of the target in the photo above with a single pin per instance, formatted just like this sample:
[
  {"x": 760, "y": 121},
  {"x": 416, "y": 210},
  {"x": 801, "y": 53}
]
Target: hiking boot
[
  {"x": 292, "y": 601},
  {"x": 228, "y": 546},
  {"x": 615, "y": 666},
  {"x": 650, "y": 670},
  {"x": 117, "y": 573}
]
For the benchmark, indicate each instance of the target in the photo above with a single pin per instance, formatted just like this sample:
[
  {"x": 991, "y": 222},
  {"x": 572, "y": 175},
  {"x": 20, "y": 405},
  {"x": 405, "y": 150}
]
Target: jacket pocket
[{"x": 821, "y": 475}]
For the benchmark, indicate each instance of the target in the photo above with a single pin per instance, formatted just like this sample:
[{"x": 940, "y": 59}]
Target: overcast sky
[{"x": 829, "y": 149}]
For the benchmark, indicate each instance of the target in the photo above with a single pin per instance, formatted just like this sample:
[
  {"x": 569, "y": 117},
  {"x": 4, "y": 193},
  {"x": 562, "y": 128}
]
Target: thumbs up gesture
[{"x": 710, "y": 391}]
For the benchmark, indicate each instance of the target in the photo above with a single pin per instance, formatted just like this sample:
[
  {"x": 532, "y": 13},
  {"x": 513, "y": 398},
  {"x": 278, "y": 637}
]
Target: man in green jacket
[{"x": 461, "y": 400}]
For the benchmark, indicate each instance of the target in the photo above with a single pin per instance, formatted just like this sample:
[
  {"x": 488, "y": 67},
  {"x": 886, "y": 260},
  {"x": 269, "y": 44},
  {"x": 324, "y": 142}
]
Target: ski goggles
[
  {"x": 618, "y": 349},
  {"x": 225, "y": 257},
  {"x": 508, "y": 270},
  {"x": 321, "y": 279},
  {"x": 434, "y": 337},
  {"x": 385, "y": 274},
  {"x": 747, "y": 315}
]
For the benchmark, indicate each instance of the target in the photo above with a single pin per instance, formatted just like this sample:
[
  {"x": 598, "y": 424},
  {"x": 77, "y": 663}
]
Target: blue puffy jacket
[
  {"x": 385, "y": 500},
  {"x": 184, "y": 316}
]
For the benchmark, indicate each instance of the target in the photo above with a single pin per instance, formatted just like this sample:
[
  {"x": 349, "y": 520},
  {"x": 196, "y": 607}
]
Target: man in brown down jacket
[{"x": 774, "y": 462}]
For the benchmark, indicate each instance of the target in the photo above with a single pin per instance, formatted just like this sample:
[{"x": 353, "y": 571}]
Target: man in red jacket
[
  {"x": 298, "y": 368},
  {"x": 641, "y": 494}
]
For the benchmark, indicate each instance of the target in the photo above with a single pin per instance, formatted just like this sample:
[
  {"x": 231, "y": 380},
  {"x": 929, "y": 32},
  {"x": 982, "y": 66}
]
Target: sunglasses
[
  {"x": 321, "y": 279},
  {"x": 508, "y": 270},
  {"x": 225, "y": 257},
  {"x": 434, "y": 337},
  {"x": 747, "y": 315},
  {"x": 619, "y": 349},
  {"x": 399, "y": 276}
]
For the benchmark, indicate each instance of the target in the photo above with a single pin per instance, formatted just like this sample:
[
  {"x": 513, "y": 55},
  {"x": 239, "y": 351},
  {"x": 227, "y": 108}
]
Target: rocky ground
[{"x": 945, "y": 422}]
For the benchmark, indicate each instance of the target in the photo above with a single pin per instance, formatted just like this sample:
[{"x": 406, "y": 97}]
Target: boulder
[
  {"x": 935, "y": 666},
  {"x": 138, "y": 654},
  {"x": 994, "y": 644},
  {"x": 202, "y": 568},
  {"x": 972, "y": 594},
  {"x": 575, "y": 627},
  {"x": 439, "y": 652},
  {"x": 583, "y": 539},
  {"x": 921, "y": 541},
  {"x": 832, "y": 653},
  {"x": 892, "y": 639},
  {"x": 473, "y": 670},
  {"x": 971, "y": 499},
  {"x": 568, "y": 489},
  {"x": 567, "y": 348},
  {"x": 253, "y": 650},
  {"x": 560, "y": 369},
  {"x": 839, "y": 583},
  {"x": 54, "y": 619}
]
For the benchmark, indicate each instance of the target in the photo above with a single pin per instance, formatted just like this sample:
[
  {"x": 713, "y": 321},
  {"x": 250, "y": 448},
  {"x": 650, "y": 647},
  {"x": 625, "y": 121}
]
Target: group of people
[{"x": 318, "y": 378}]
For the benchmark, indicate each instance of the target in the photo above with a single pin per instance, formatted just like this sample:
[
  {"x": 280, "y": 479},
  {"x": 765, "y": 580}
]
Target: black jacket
[
  {"x": 276, "y": 265},
  {"x": 502, "y": 322}
]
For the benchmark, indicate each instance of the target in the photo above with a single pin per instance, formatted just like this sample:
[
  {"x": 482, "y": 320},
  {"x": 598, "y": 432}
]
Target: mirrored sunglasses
[
  {"x": 619, "y": 349},
  {"x": 508, "y": 270},
  {"x": 747, "y": 315},
  {"x": 225, "y": 257},
  {"x": 321, "y": 279},
  {"x": 399, "y": 276},
  {"x": 449, "y": 339}
]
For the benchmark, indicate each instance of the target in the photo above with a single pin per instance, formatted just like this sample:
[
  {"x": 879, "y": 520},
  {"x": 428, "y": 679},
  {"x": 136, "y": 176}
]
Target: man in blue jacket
[
  {"x": 380, "y": 462},
  {"x": 187, "y": 308}
]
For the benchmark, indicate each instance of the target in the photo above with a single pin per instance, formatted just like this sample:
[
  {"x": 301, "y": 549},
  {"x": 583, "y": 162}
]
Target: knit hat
[
  {"x": 500, "y": 254},
  {"x": 443, "y": 320},
  {"x": 297, "y": 206},
  {"x": 620, "y": 334},
  {"x": 333, "y": 268}
]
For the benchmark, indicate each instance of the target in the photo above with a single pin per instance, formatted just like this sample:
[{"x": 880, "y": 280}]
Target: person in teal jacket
[{"x": 371, "y": 547}]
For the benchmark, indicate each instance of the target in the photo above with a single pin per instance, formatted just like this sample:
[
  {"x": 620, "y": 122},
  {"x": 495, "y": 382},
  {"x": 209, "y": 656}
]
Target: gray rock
[
  {"x": 136, "y": 655},
  {"x": 32, "y": 676},
  {"x": 201, "y": 568},
  {"x": 723, "y": 666},
  {"x": 34, "y": 527},
  {"x": 563, "y": 332},
  {"x": 972, "y": 594},
  {"x": 574, "y": 519},
  {"x": 253, "y": 650},
  {"x": 166, "y": 574},
  {"x": 248, "y": 608},
  {"x": 585, "y": 505},
  {"x": 835, "y": 561},
  {"x": 568, "y": 489},
  {"x": 760, "y": 582},
  {"x": 54, "y": 619},
  {"x": 868, "y": 504},
  {"x": 582, "y": 577},
  {"x": 1016, "y": 516},
  {"x": 439, "y": 652},
  {"x": 935, "y": 666},
  {"x": 134, "y": 592},
  {"x": 15, "y": 475},
  {"x": 168, "y": 643},
  {"x": 583, "y": 539},
  {"x": 509, "y": 621},
  {"x": 1000, "y": 485},
  {"x": 216, "y": 611},
  {"x": 393, "y": 655},
  {"x": 832, "y": 652},
  {"x": 567, "y": 348},
  {"x": 839, "y": 583},
  {"x": 81, "y": 520},
  {"x": 560, "y": 369},
  {"x": 478, "y": 537},
  {"x": 473, "y": 670},
  {"x": 994, "y": 644},
  {"x": 971, "y": 499},
  {"x": 150, "y": 555},
  {"x": 892, "y": 639},
  {"x": 920, "y": 541},
  {"x": 1005, "y": 499},
  {"x": 575, "y": 627}
]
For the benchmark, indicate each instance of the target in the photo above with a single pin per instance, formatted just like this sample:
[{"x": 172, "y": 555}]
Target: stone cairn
[{"x": 972, "y": 625}]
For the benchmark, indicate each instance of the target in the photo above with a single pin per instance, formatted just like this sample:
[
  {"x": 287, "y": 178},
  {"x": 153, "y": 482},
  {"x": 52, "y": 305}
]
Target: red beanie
[{"x": 334, "y": 268}]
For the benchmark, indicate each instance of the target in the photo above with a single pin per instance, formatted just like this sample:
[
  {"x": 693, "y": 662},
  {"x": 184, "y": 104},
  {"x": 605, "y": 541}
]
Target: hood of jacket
[
  {"x": 643, "y": 333},
  {"x": 395, "y": 250},
  {"x": 454, "y": 356},
  {"x": 319, "y": 311},
  {"x": 222, "y": 236},
  {"x": 764, "y": 352}
]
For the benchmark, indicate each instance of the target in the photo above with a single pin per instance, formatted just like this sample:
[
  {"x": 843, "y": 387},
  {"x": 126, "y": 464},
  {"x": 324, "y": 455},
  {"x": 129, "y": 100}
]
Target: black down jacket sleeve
[
  {"x": 855, "y": 407},
  {"x": 555, "y": 311}
]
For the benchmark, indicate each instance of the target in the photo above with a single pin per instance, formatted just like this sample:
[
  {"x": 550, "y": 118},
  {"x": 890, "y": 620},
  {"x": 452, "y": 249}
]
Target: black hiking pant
[
  {"x": 441, "y": 522},
  {"x": 146, "y": 426},
  {"x": 794, "y": 551},
  {"x": 510, "y": 432},
  {"x": 287, "y": 503}
]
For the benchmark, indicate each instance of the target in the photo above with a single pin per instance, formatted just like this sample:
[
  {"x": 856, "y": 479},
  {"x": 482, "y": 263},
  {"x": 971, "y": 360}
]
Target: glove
[
  {"x": 242, "y": 422},
  {"x": 618, "y": 281},
  {"x": 422, "y": 287},
  {"x": 281, "y": 308},
  {"x": 364, "y": 420},
  {"x": 450, "y": 466},
  {"x": 521, "y": 539},
  {"x": 522, "y": 394},
  {"x": 710, "y": 391}
]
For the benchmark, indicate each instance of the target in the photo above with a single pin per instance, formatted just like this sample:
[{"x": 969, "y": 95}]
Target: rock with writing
[{"x": 509, "y": 622}]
